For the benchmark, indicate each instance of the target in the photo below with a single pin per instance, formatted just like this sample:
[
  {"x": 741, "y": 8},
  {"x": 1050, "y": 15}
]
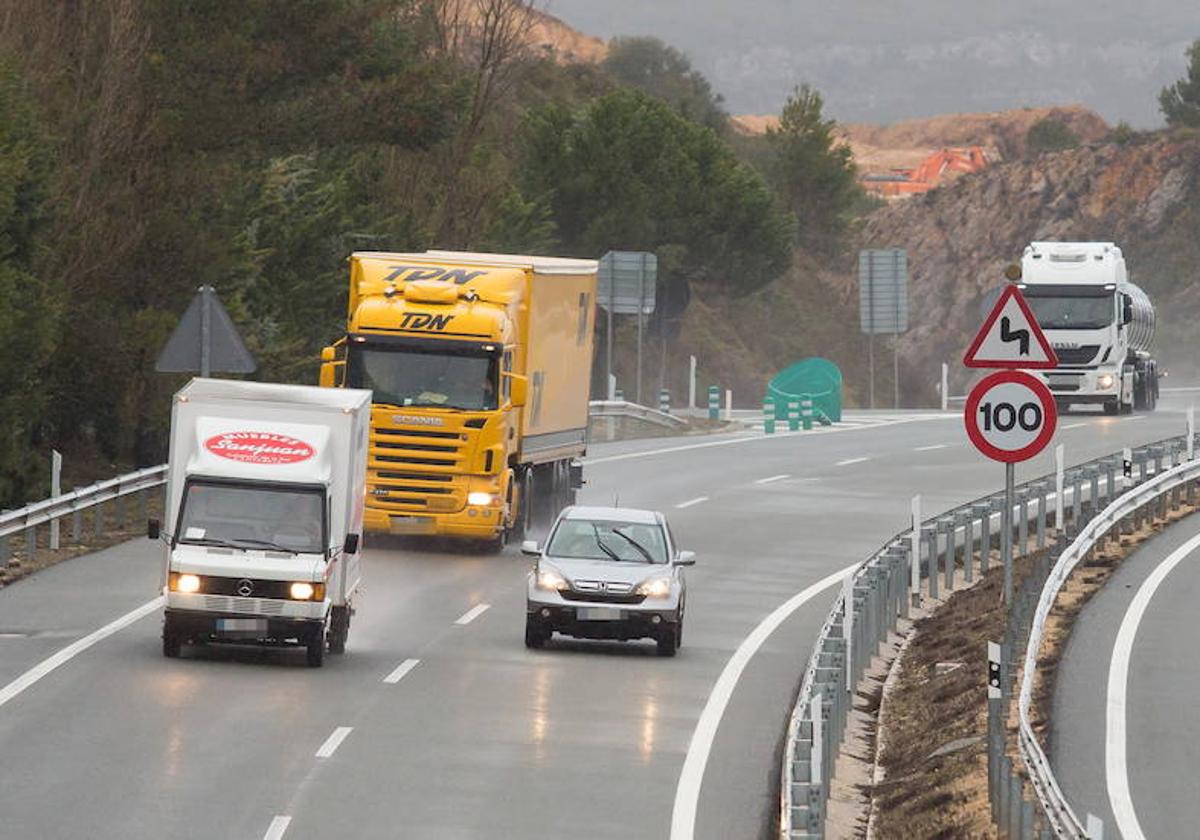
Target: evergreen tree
[{"x": 1180, "y": 102}]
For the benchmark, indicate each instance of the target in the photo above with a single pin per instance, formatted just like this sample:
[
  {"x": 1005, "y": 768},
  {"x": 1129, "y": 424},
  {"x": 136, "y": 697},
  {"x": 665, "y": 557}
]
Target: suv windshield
[
  {"x": 253, "y": 516},
  {"x": 585, "y": 539},
  {"x": 406, "y": 376}
]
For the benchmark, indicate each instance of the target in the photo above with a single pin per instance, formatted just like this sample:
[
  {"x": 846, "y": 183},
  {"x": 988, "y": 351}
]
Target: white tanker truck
[{"x": 1100, "y": 324}]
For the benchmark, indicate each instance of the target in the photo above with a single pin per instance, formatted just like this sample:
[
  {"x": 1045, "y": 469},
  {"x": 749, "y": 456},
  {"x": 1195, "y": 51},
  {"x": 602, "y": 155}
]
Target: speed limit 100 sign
[{"x": 1010, "y": 416}]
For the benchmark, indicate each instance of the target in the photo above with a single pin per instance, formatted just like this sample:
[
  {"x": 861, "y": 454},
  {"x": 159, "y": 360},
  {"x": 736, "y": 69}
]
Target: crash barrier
[
  {"x": 95, "y": 497},
  {"x": 621, "y": 408},
  {"x": 1151, "y": 497},
  {"x": 877, "y": 593},
  {"x": 815, "y": 381},
  {"x": 799, "y": 413}
]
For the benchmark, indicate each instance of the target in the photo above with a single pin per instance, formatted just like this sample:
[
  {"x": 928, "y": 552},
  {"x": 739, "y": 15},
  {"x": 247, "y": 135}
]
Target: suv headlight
[
  {"x": 550, "y": 580},
  {"x": 655, "y": 587}
]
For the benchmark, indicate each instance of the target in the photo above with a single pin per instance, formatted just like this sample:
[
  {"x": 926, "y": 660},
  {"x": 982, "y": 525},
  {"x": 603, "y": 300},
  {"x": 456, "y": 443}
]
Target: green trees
[
  {"x": 1180, "y": 102},
  {"x": 662, "y": 71},
  {"x": 628, "y": 172},
  {"x": 1050, "y": 135},
  {"x": 813, "y": 172}
]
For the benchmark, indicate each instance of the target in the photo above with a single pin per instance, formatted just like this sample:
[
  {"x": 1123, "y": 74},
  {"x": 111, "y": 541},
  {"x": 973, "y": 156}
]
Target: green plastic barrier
[{"x": 813, "y": 379}]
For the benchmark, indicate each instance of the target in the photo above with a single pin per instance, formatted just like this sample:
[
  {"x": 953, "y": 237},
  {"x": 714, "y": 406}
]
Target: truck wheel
[
  {"x": 1112, "y": 406},
  {"x": 339, "y": 629},
  {"x": 315, "y": 649},
  {"x": 536, "y": 634},
  {"x": 171, "y": 643}
]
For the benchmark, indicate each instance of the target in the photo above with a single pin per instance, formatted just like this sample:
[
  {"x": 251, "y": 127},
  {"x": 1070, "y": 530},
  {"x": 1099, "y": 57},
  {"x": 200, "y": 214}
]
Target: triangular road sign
[
  {"x": 1011, "y": 337},
  {"x": 205, "y": 341}
]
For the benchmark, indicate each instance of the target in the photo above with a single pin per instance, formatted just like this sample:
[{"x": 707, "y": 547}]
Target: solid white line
[
  {"x": 771, "y": 478},
  {"x": 850, "y": 461},
  {"x": 1134, "y": 417},
  {"x": 931, "y": 448},
  {"x": 402, "y": 669},
  {"x": 696, "y": 501},
  {"x": 472, "y": 614},
  {"x": 1073, "y": 426},
  {"x": 687, "y": 793},
  {"x": 1115, "y": 769},
  {"x": 334, "y": 741},
  {"x": 74, "y": 649},
  {"x": 277, "y": 827}
]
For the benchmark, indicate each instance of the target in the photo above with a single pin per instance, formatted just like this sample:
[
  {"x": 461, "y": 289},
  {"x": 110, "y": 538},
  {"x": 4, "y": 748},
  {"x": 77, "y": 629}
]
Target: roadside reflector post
[
  {"x": 714, "y": 402},
  {"x": 55, "y": 492},
  {"x": 664, "y": 400},
  {"x": 946, "y": 526},
  {"x": 793, "y": 413},
  {"x": 769, "y": 415},
  {"x": 691, "y": 383},
  {"x": 806, "y": 413},
  {"x": 914, "y": 553},
  {"x": 945, "y": 387},
  {"x": 728, "y": 404}
]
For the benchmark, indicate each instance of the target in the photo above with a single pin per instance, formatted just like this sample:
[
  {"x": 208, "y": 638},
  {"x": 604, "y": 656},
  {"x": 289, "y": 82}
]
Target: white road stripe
[
  {"x": 772, "y": 478},
  {"x": 1134, "y": 417},
  {"x": 931, "y": 448},
  {"x": 472, "y": 614},
  {"x": 277, "y": 827},
  {"x": 696, "y": 501},
  {"x": 74, "y": 649},
  {"x": 1115, "y": 769},
  {"x": 334, "y": 741},
  {"x": 850, "y": 461},
  {"x": 687, "y": 793},
  {"x": 402, "y": 669},
  {"x": 1072, "y": 426}
]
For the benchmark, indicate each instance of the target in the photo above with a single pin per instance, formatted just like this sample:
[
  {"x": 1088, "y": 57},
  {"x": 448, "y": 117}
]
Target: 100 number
[{"x": 1005, "y": 416}]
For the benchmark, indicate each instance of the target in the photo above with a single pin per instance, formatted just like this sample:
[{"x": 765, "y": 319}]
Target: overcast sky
[{"x": 886, "y": 60}]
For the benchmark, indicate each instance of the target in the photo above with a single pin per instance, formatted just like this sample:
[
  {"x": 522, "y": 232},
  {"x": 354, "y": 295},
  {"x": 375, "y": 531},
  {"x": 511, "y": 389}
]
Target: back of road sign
[{"x": 1011, "y": 337}]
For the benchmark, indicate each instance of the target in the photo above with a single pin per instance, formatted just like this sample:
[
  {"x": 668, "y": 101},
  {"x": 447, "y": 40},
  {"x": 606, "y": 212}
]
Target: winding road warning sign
[
  {"x": 1010, "y": 416},
  {"x": 1011, "y": 337}
]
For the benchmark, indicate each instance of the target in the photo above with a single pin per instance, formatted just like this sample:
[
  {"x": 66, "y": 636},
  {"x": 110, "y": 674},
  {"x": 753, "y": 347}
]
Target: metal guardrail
[
  {"x": 1116, "y": 517},
  {"x": 879, "y": 590},
  {"x": 28, "y": 518},
  {"x": 621, "y": 408}
]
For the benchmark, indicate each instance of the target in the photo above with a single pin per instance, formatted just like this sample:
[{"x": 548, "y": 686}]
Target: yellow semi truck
[{"x": 480, "y": 366}]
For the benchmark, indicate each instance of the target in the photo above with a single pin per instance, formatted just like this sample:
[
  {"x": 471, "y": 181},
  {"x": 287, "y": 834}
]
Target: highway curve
[{"x": 480, "y": 738}]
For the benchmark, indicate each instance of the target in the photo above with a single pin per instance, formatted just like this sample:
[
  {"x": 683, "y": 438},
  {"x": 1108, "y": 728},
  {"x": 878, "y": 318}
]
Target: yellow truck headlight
[
  {"x": 184, "y": 583},
  {"x": 479, "y": 498},
  {"x": 303, "y": 591},
  {"x": 657, "y": 587}
]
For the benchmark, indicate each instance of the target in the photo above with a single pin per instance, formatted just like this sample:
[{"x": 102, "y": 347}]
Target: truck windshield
[
  {"x": 1072, "y": 312},
  {"x": 253, "y": 516},
  {"x": 404, "y": 375}
]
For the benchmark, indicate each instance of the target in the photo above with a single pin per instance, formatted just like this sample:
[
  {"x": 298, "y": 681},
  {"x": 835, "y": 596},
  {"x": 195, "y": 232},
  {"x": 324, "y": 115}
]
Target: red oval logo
[{"x": 259, "y": 448}]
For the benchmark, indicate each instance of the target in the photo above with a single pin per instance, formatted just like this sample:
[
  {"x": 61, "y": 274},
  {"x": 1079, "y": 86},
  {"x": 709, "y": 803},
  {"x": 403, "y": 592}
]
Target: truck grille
[
  {"x": 417, "y": 470},
  {"x": 1076, "y": 356},
  {"x": 248, "y": 606}
]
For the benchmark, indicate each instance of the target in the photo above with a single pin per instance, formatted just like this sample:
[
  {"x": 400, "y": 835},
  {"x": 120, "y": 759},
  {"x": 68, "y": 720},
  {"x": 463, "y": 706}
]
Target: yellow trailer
[{"x": 480, "y": 366}]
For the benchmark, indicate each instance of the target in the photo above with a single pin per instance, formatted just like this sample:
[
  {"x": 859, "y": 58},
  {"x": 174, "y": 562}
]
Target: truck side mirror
[
  {"x": 519, "y": 389},
  {"x": 328, "y": 354},
  {"x": 1126, "y": 309},
  {"x": 153, "y": 529},
  {"x": 350, "y": 546}
]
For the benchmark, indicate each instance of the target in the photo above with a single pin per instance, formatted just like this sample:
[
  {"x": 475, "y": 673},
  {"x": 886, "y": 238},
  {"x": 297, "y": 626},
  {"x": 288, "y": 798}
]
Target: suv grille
[{"x": 603, "y": 597}]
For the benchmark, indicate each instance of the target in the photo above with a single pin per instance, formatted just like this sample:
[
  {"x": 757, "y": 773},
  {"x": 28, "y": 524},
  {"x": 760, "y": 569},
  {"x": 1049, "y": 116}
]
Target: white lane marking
[
  {"x": 850, "y": 461},
  {"x": 1134, "y": 417},
  {"x": 1072, "y": 426},
  {"x": 334, "y": 741},
  {"x": 277, "y": 827},
  {"x": 687, "y": 793},
  {"x": 472, "y": 614},
  {"x": 1115, "y": 770},
  {"x": 753, "y": 438},
  {"x": 402, "y": 669},
  {"x": 772, "y": 478},
  {"x": 931, "y": 448},
  {"x": 699, "y": 500},
  {"x": 74, "y": 649}
]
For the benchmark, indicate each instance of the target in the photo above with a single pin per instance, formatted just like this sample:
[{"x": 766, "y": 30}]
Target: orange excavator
[{"x": 931, "y": 172}]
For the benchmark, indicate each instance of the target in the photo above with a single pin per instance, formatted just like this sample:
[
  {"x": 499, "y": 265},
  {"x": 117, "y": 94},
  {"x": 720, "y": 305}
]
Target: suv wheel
[
  {"x": 668, "y": 641},
  {"x": 536, "y": 634}
]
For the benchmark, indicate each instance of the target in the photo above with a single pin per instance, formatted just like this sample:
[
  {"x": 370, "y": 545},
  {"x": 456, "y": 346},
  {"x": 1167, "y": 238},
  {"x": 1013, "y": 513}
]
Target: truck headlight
[
  {"x": 185, "y": 583},
  {"x": 479, "y": 498},
  {"x": 1105, "y": 381},
  {"x": 550, "y": 580},
  {"x": 656, "y": 587},
  {"x": 304, "y": 591}
]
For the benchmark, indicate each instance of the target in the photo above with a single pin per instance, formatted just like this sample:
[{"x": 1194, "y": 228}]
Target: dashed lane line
[
  {"x": 772, "y": 478},
  {"x": 472, "y": 614},
  {"x": 334, "y": 741},
  {"x": 699, "y": 500},
  {"x": 401, "y": 670}
]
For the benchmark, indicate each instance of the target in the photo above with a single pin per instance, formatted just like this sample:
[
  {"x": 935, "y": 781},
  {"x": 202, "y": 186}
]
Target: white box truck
[
  {"x": 1101, "y": 325},
  {"x": 264, "y": 511}
]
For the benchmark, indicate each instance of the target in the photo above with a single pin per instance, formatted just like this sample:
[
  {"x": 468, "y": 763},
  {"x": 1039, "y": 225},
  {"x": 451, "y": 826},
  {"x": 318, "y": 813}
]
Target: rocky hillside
[{"x": 1145, "y": 196}]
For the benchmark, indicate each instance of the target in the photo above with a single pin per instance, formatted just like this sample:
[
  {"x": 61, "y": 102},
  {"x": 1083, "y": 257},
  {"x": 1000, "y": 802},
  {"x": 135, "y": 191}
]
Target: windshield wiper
[
  {"x": 234, "y": 543},
  {"x": 640, "y": 548},
  {"x": 267, "y": 544},
  {"x": 604, "y": 547}
]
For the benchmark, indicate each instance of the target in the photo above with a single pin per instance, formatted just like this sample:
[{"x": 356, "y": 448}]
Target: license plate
[
  {"x": 241, "y": 625},
  {"x": 411, "y": 525},
  {"x": 597, "y": 614}
]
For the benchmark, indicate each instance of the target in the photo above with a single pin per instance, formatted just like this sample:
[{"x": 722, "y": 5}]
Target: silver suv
[{"x": 608, "y": 573}]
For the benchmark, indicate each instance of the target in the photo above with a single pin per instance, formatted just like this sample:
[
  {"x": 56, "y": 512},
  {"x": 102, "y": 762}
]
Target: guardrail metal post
[
  {"x": 1110, "y": 484},
  {"x": 931, "y": 549},
  {"x": 77, "y": 525},
  {"x": 1022, "y": 523},
  {"x": 98, "y": 518},
  {"x": 769, "y": 415},
  {"x": 985, "y": 535},
  {"x": 945, "y": 525},
  {"x": 144, "y": 504},
  {"x": 1093, "y": 474},
  {"x": 1042, "y": 492},
  {"x": 3, "y": 552},
  {"x": 30, "y": 541},
  {"x": 119, "y": 510},
  {"x": 1076, "y": 502}
]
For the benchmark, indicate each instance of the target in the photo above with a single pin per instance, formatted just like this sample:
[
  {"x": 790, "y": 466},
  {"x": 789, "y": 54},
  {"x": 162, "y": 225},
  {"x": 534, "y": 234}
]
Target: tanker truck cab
[
  {"x": 264, "y": 515},
  {"x": 1100, "y": 325}
]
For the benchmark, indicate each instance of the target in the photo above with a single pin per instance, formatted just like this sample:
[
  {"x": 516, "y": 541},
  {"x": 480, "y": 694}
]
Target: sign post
[
  {"x": 1010, "y": 415},
  {"x": 626, "y": 286},
  {"x": 883, "y": 307}
]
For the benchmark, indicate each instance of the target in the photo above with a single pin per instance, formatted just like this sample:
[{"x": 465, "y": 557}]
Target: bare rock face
[{"x": 1143, "y": 196}]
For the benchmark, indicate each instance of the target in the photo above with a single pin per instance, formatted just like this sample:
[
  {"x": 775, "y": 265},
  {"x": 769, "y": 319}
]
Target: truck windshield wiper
[
  {"x": 267, "y": 544},
  {"x": 641, "y": 549},
  {"x": 240, "y": 542}
]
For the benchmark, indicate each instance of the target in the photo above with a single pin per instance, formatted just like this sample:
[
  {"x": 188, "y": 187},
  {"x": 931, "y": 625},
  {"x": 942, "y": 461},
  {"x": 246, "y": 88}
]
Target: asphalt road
[
  {"x": 1155, "y": 787},
  {"x": 481, "y": 737}
]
